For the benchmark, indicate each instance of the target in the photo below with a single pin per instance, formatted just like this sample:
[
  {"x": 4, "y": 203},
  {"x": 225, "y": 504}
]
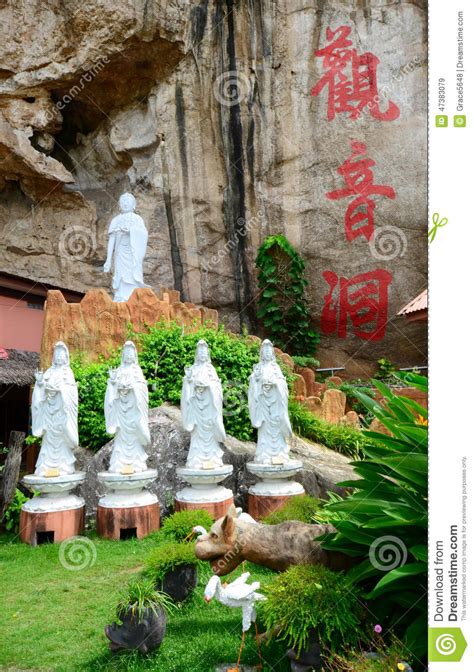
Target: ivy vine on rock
[{"x": 282, "y": 304}]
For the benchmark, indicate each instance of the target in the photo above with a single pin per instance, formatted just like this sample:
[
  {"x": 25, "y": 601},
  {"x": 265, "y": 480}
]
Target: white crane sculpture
[{"x": 241, "y": 595}]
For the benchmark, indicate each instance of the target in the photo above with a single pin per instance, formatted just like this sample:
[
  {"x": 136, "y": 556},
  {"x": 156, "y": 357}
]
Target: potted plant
[
  {"x": 172, "y": 567},
  {"x": 141, "y": 618},
  {"x": 311, "y": 609}
]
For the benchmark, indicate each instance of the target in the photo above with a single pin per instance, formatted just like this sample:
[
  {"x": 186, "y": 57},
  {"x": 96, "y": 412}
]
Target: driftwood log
[{"x": 11, "y": 471}]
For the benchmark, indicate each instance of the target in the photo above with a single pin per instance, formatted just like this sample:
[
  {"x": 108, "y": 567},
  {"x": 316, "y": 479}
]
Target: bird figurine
[
  {"x": 199, "y": 530},
  {"x": 240, "y": 595}
]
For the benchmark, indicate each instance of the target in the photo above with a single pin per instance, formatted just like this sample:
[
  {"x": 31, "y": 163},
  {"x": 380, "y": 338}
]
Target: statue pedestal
[
  {"x": 54, "y": 515},
  {"x": 205, "y": 491},
  {"x": 127, "y": 509},
  {"x": 275, "y": 488}
]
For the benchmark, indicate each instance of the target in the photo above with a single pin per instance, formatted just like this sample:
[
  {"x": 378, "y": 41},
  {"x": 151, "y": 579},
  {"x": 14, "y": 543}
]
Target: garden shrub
[
  {"x": 11, "y": 517},
  {"x": 302, "y": 507},
  {"x": 167, "y": 556},
  {"x": 307, "y": 597},
  {"x": 387, "y": 515},
  {"x": 180, "y": 525},
  {"x": 282, "y": 304},
  {"x": 345, "y": 440}
]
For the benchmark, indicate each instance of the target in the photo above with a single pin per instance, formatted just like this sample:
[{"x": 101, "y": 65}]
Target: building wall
[{"x": 21, "y": 324}]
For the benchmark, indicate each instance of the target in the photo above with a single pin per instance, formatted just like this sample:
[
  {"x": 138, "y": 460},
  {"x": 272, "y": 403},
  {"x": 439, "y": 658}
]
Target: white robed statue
[
  {"x": 201, "y": 408},
  {"x": 128, "y": 237},
  {"x": 268, "y": 408},
  {"x": 54, "y": 415},
  {"x": 126, "y": 414}
]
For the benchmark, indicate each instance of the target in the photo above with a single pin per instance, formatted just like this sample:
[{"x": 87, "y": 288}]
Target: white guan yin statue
[
  {"x": 54, "y": 415},
  {"x": 268, "y": 408},
  {"x": 128, "y": 237},
  {"x": 126, "y": 414},
  {"x": 201, "y": 408}
]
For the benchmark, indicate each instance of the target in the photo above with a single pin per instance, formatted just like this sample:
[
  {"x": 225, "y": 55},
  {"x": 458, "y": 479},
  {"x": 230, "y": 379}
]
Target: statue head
[
  {"x": 127, "y": 202},
  {"x": 267, "y": 353},
  {"x": 60, "y": 354},
  {"x": 202, "y": 353},
  {"x": 129, "y": 353}
]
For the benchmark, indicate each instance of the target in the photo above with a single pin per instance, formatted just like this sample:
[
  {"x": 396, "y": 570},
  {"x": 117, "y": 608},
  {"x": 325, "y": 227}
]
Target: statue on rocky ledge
[
  {"x": 126, "y": 414},
  {"x": 128, "y": 237},
  {"x": 268, "y": 408},
  {"x": 54, "y": 415},
  {"x": 201, "y": 407}
]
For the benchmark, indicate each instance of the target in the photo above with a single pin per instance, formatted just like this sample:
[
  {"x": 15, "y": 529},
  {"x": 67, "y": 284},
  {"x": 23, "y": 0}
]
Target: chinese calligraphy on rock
[{"x": 350, "y": 78}]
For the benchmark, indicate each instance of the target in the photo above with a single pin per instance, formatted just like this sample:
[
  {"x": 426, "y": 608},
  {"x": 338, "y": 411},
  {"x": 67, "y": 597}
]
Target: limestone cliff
[{"x": 203, "y": 109}]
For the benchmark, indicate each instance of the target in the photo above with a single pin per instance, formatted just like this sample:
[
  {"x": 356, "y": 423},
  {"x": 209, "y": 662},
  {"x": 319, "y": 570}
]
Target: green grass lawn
[{"x": 53, "y": 618}]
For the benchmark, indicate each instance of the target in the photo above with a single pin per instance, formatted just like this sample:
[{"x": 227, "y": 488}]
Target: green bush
[
  {"x": 386, "y": 516},
  {"x": 180, "y": 525},
  {"x": 312, "y": 596},
  {"x": 302, "y": 507},
  {"x": 306, "y": 362},
  {"x": 282, "y": 304},
  {"x": 168, "y": 556},
  {"x": 345, "y": 440},
  {"x": 11, "y": 518}
]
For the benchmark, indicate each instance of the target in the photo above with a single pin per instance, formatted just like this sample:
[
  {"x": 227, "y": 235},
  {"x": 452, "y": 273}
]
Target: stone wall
[{"x": 203, "y": 109}]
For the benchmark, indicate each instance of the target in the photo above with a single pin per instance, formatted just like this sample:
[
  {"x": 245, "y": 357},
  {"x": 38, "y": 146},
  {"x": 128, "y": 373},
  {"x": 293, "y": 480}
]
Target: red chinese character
[
  {"x": 363, "y": 299},
  {"x": 359, "y": 180},
  {"x": 358, "y": 90}
]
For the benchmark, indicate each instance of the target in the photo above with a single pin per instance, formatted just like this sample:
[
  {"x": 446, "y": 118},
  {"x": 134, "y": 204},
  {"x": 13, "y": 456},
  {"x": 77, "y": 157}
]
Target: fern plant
[{"x": 282, "y": 304}]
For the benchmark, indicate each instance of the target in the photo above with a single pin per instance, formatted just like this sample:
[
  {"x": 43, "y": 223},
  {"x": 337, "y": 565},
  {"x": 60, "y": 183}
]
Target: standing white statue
[
  {"x": 54, "y": 415},
  {"x": 201, "y": 408},
  {"x": 126, "y": 414},
  {"x": 268, "y": 408},
  {"x": 128, "y": 237}
]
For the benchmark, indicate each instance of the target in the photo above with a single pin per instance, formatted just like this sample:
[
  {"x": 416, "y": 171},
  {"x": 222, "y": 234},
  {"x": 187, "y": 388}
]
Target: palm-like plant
[{"x": 385, "y": 519}]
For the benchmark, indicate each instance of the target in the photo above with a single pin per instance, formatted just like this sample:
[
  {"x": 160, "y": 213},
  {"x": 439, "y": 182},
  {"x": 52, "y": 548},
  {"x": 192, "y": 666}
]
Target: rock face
[
  {"x": 203, "y": 110},
  {"x": 322, "y": 469}
]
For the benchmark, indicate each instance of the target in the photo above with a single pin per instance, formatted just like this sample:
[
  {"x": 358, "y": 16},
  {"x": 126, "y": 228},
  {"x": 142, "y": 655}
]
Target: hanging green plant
[{"x": 282, "y": 303}]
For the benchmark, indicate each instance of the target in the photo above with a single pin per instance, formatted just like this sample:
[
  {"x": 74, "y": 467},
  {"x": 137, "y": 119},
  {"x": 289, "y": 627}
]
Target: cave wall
[{"x": 203, "y": 109}]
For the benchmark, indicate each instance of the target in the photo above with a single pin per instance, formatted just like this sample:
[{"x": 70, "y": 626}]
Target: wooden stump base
[
  {"x": 215, "y": 509},
  {"x": 50, "y": 526},
  {"x": 260, "y": 506},
  {"x": 127, "y": 523}
]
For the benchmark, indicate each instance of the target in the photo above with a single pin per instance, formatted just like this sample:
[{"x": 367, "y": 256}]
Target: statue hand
[
  {"x": 39, "y": 376},
  {"x": 113, "y": 375},
  {"x": 106, "y": 268}
]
